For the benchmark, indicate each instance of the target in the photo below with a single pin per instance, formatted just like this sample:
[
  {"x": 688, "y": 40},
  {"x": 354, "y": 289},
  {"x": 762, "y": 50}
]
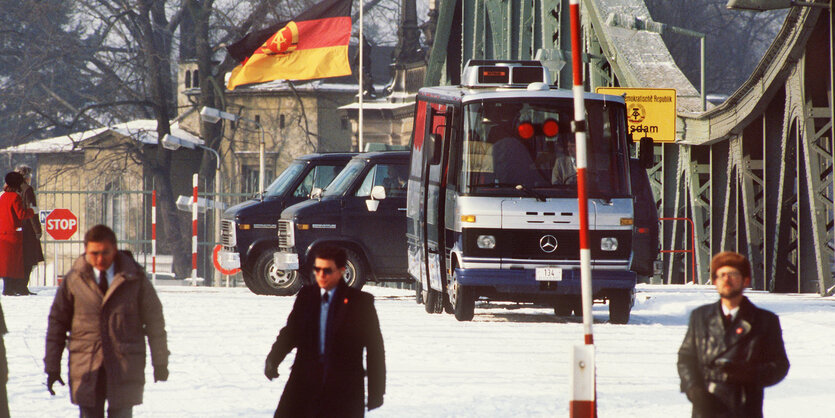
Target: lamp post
[
  {"x": 632, "y": 22},
  {"x": 174, "y": 143},
  {"x": 212, "y": 115}
]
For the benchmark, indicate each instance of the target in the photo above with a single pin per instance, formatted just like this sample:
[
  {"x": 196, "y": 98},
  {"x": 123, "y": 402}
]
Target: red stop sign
[{"x": 61, "y": 224}]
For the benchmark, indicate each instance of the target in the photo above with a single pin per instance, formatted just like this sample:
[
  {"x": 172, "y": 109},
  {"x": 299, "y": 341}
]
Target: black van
[
  {"x": 363, "y": 210},
  {"x": 248, "y": 236}
]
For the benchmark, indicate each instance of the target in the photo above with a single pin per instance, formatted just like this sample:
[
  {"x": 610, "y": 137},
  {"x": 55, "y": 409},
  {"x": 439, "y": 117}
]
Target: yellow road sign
[{"x": 649, "y": 112}]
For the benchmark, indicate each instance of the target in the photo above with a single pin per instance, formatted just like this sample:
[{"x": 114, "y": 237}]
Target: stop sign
[{"x": 61, "y": 224}]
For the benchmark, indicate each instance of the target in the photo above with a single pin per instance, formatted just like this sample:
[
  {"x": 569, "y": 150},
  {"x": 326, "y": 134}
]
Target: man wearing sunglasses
[
  {"x": 732, "y": 349},
  {"x": 329, "y": 326}
]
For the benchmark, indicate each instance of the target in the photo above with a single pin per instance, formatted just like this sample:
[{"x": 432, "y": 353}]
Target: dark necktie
[
  {"x": 323, "y": 323},
  {"x": 103, "y": 282},
  {"x": 728, "y": 320}
]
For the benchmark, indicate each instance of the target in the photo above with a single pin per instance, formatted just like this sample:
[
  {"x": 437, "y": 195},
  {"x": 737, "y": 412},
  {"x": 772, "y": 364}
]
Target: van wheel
[
  {"x": 275, "y": 281},
  {"x": 461, "y": 300},
  {"x": 354, "y": 270},
  {"x": 251, "y": 282},
  {"x": 433, "y": 302},
  {"x": 620, "y": 306}
]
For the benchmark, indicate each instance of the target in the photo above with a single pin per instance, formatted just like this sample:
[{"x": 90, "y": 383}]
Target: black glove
[
  {"x": 51, "y": 378},
  {"x": 375, "y": 402},
  {"x": 270, "y": 369},
  {"x": 160, "y": 373}
]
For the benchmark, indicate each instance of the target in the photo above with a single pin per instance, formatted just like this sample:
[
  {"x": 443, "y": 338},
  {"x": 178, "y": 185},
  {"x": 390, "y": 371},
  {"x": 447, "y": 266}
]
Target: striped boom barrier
[
  {"x": 154, "y": 237},
  {"x": 194, "y": 231},
  {"x": 582, "y": 405}
]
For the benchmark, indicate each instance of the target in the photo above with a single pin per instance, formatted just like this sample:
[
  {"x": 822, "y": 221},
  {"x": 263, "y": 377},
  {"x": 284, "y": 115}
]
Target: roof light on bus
[
  {"x": 525, "y": 130},
  {"x": 468, "y": 218},
  {"x": 550, "y": 128}
]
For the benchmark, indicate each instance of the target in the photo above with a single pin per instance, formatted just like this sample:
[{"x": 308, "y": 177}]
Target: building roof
[{"x": 142, "y": 130}]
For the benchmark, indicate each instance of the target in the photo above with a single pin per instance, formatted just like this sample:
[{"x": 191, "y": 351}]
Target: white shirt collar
[
  {"x": 111, "y": 271},
  {"x": 731, "y": 312},
  {"x": 330, "y": 293}
]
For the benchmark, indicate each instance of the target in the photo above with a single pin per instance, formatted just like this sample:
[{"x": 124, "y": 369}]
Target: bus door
[
  {"x": 439, "y": 120},
  {"x": 415, "y": 207}
]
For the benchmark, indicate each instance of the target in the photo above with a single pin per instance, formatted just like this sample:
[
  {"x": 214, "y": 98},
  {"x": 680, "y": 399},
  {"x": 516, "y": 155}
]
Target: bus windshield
[
  {"x": 344, "y": 179},
  {"x": 515, "y": 147},
  {"x": 284, "y": 180}
]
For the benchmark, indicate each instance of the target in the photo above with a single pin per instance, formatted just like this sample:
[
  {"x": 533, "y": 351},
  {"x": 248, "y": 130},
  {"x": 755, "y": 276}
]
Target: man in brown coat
[{"x": 108, "y": 306}]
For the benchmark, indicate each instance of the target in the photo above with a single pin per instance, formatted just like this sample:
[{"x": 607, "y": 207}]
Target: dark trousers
[
  {"x": 97, "y": 411},
  {"x": 4, "y": 377}
]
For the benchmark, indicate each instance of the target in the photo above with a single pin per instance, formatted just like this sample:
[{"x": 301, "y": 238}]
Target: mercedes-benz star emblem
[{"x": 548, "y": 243}]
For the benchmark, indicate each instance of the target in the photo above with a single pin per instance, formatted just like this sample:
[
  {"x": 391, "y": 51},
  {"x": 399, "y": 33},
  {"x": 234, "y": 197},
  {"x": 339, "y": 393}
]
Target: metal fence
[{"x": 128, "y": 213}]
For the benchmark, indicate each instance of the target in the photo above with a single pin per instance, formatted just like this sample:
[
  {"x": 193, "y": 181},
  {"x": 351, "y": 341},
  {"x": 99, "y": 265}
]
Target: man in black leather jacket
[{"x": 732, "y": 349}]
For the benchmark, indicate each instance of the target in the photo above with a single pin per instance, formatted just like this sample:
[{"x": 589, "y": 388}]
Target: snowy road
[{"x": 510, "y": 361}]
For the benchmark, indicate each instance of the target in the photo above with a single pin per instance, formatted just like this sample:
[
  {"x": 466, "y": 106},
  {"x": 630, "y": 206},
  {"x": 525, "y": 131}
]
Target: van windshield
[
  {"x": 509, "y": 144},
  {"x": 285, "y": 179},
  {"x": 345, "y": 178}
]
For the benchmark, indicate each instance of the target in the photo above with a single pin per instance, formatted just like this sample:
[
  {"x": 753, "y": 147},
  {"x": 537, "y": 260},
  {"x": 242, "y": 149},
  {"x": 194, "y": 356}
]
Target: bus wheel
[
  {"x": 565, "y": 306},
  {"x": 275, "y": 281},
  {"x": 462, "y": 300},
  {"x": 418, "y": 292},
  {"x": 434, "y": 301},
  {"x": 354, "y": 270},
  {"x": 620, "y": 306}
]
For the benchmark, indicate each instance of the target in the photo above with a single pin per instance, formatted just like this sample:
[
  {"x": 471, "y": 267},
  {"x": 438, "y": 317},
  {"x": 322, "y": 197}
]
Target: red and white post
[
  {"x": 154, "y": 237},
  {"x": 582, "y": 359},
  {"x": 194, "y": 231}
]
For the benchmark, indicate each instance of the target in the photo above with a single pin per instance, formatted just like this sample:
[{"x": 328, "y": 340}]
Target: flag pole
[{"x": 360, "y": 78}]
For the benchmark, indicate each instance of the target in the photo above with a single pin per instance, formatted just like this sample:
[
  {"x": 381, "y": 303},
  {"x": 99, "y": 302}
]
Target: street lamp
[
  {"x": 632, "y": 22},
  {"x": 212, "y": 115},
  {"x": 763, "y": 5},
  {"x": 173, "y": 143}
]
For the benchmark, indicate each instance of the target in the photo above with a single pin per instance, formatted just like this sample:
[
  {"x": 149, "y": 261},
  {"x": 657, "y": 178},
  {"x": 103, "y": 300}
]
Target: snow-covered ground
[{"x": 510, "y": 361}]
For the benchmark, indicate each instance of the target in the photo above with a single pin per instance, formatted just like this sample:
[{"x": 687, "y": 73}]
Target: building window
[
  {"x": 188, "y": 79},
  {"x": 281, "y": 121},
  {"x": 196, "y": 78}
]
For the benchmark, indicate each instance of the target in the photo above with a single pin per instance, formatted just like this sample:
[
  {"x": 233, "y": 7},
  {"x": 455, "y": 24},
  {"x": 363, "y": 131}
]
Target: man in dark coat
[
  {"x": 329, "y": 326},
  {"x": 108, "y": 306},
  {"x": 32, "y": 253},
  {"x": 732, "y": 349}
]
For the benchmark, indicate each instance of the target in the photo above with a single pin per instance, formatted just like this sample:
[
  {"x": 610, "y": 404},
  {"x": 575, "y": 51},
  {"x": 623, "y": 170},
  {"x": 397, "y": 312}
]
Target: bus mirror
[
  {"x": 645, "y": 152},
  {"x": 435, "y": 147},
  {"x": 372, "y": 205}
]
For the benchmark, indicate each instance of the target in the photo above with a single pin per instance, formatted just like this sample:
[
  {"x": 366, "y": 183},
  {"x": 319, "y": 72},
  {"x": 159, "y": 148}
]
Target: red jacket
[{"x": 12, "y": 214}]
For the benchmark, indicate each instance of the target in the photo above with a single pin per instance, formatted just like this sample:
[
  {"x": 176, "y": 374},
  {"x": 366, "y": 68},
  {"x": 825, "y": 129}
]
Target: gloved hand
[
  {"x": 51, "y": 378},
  {"x": 270, "y": 369},
  {"x": 160, "y": 373},
  {"x": 375, "y": 402}
]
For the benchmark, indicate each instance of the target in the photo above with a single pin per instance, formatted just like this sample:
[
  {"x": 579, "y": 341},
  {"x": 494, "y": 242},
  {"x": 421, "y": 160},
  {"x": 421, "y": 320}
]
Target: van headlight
[
  {"x": 487, "y": 242},
  {"x": 609, "y": 244}
]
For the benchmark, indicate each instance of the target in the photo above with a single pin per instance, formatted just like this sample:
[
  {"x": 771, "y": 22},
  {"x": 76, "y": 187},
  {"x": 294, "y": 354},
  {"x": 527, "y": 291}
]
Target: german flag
[{"x": 313, "y": 45}]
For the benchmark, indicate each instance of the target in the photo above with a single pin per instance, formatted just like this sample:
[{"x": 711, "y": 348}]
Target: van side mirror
[
  {"x": 378, "y": 193},
  {"x": 645, "y": 152},
  {"x": 316, "y": 193}
]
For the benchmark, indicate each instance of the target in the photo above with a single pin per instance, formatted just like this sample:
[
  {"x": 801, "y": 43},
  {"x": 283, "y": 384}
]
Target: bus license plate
[{"x": 551, "y": 274}]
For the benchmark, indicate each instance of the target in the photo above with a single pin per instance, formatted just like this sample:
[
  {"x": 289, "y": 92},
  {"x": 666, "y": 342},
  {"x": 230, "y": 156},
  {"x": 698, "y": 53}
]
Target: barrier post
[
  {"x": 586, "y": 406},
  {"x": 194, "y": 231},
  {"x": 154, "y": 237}
]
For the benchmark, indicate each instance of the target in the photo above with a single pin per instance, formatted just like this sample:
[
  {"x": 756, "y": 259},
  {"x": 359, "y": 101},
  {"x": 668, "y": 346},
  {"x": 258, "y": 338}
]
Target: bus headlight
[
  {"x": 487, "y": 242},
  {"x": 609, "y": 244}
]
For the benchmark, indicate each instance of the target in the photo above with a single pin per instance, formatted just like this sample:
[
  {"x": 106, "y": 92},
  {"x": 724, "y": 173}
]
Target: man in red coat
[
  {"x": 329, "y": 327},
  {"x": 12, "y": 215}
]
